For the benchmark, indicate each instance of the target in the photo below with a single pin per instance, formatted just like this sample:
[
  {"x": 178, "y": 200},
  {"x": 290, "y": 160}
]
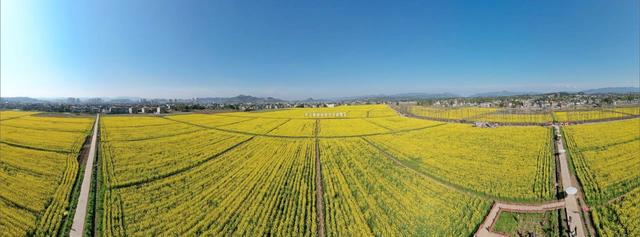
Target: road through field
[
  {"x": 319, "y": 183},
  {"x": 77, "y": 229},
  {"x": 575, "y": 222}
]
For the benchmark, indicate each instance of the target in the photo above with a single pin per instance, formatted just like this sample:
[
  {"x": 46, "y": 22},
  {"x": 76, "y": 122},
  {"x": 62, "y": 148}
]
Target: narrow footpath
[
  {"x": 319, "y": 188},
  {"x": 569, "y": 202},
  {"x": 77, "y": 229},
  {"x": 498, "y": 207},
  {"x": 576, "y": 226}
]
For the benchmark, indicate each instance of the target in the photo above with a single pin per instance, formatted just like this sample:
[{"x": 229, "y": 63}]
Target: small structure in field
[{"x": 481, "y": 124}]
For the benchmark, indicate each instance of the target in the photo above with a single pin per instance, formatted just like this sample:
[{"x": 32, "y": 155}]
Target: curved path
[
  {"x": 486, "y": 228},
  {"x": 570, "y": 202},
  {"x": 77, "y": 229}
]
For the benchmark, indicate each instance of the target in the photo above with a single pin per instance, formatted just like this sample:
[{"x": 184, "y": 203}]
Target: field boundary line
[
  {"x": 144, "y": 126},
  {"x": 40, "y": 129},
  {"x": 294, "y": 137},
  {"x": 613, "y": 111},
  {"x": 234, "y": 122},
  {"x": 303, "y": 118},
  {"x": 19, "y": 206},
  {"x": 34, "y": 148},
  {"x": 157, "y": 137},
  {"x": 432, "y": 177},
  {"x": 17, "y": 117},
  {"x": 607, "y": 146},
  {"x": 377, "y": 124},
  {"x": 181, "y": 170},
  {"x": 276, "y": 127}
]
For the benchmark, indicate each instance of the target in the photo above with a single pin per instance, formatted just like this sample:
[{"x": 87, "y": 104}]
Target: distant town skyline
[{"x": 296, "y": 50}]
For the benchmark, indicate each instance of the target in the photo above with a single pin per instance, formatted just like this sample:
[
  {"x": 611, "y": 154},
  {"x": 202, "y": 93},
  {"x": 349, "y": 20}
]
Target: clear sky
[{"x": 300, "y": 49}]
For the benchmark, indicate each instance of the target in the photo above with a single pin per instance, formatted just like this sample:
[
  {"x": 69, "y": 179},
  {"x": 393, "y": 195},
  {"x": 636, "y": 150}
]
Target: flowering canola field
[
  {"x": 256, "y": 173},
  {"x": 343, "y": 171},
  {"x": 606, "y": 158},
  {"x": 38, "y": 167}
]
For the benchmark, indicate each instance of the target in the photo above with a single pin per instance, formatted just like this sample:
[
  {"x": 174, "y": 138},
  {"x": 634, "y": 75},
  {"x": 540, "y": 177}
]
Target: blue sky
[{"x": 300, "y": 49}]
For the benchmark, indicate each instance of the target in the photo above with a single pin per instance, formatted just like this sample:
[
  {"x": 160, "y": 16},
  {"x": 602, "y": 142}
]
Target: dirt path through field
[
  {"x": 319, "y": 189},
  {"x": 77, "y": 228},
  {"x": 574, "y": 207}
]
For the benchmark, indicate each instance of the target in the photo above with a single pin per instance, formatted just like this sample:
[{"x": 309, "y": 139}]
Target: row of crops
[
  {"x": 340, "y": 112},
  {"x": 220, "y": 174},
  {"x": 509, "y": 163},
  {"x": 280, "y": 127},
  {"x": 255, "y": 173},
  {"x": 523, "y": 116},
  {"x": 38, "y": 168},
  {"x": 213, "y": 182},
  {"x": 606, "y": 158}
]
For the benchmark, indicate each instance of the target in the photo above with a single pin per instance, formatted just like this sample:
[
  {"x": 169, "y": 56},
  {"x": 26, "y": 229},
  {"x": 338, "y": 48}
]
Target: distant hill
[
  {"x": 402, "y": 96},
  {"x": 240, "y": 99},
  {"x": 613, "y": 90},
  {"x": 502, "y": 93},
  {"x": 20, "y": 100}
]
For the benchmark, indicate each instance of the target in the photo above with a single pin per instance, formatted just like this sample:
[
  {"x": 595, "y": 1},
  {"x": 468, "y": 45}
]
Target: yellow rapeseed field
[{"x": 38, "y": 169}]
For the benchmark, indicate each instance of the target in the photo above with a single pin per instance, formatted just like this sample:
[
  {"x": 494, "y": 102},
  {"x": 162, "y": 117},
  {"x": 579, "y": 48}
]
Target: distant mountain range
[
  {"x": 402, "y": 96},
  {"x": 247, "y": 99},
  {"x": 607, "y": 90},
  {"x": 613, "y": 90},
  {"x": 240, "y": 99},
  {"x": 502, "y": 93}
]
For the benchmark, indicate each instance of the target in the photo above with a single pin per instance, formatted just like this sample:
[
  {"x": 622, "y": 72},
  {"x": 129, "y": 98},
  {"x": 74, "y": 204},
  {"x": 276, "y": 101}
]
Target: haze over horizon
[{"x": 296, "y": 50}]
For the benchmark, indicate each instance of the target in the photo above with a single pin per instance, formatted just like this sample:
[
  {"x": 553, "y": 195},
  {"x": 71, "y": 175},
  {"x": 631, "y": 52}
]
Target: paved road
[
  {"x": 573, "y": 208},
  {"x": 490, "y": 219},
  {"x": 77, "y": 229}
]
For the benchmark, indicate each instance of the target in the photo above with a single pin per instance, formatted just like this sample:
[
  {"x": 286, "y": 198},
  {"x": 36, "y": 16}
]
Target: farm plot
[
  {"x": 628, "y": 110},
  {"x": 339, "y": 112},
  {"x": 265, "y": 186},
  {"x": 506, "y": 117},
  {"x": 619, "y": 218},
  {"x": 57, "y": 141},
  {"x": 397, "y": 123},
  {"x": 466, "y": 113},
  {"x": 296, "y": 127},
  {"x": 10, "y": 114},
  {"x": 366, "y": 194},
  {"x": 256, "y": 126},
  {"x": 49, "y": 124},
  {"x": 143, "y": 161},
  {"x": 207, "y": 120},
  {"x": 348, "y": 127},
  {"x": 38, "y": 168},
  {"x": 513, "y": 163},
  {"x": 606, "y": 157},
  {"x": 586, "y": 115},
  {"x": 113, "y": 129}
]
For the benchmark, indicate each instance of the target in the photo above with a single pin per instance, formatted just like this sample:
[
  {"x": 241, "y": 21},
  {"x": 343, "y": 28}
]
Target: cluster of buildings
[
  {"x": 136, "y": 109},
  {"x": 548, "y": 101}
]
